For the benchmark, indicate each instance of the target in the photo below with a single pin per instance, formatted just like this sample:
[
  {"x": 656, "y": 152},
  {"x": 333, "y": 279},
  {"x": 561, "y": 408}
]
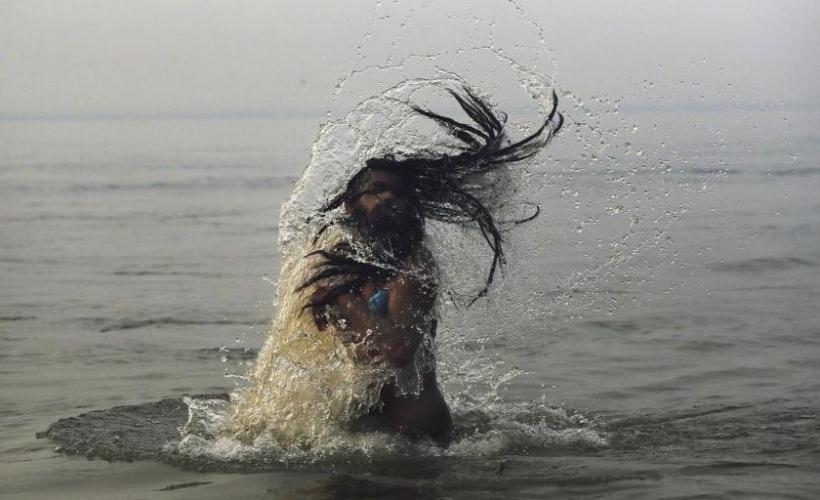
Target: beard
[{"x": 394, "y": 226}]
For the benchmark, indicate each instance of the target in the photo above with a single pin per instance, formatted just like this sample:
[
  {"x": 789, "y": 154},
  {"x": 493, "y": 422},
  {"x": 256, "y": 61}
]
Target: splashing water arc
[{"x": 305, "y": 384}]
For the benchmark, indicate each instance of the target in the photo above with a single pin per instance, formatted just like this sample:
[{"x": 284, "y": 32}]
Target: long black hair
[{"x": 445, "y": 188}]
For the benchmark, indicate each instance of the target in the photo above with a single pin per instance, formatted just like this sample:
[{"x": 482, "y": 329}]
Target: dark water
[
  {"x": 641, "y": 452},
  {"x": 132, "y": 252}
]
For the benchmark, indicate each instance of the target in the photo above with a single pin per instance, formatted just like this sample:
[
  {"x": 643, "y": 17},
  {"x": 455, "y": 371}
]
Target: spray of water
[{"x": 305, "y": 386}]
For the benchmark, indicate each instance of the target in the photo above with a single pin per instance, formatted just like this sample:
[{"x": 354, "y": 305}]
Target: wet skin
[{"x": 394, "y": 337}]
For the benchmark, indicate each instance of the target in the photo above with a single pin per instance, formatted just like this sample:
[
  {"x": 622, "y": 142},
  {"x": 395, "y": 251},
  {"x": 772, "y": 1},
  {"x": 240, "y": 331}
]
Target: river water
[{"x": 137, "y": 260}]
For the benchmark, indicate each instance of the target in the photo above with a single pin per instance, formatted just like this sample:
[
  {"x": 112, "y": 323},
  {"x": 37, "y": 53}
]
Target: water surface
[{"x": 134, "y": 257}]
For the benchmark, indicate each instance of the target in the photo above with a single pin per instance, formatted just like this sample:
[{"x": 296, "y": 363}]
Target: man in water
[
  {"x": 379, "y": 289},
  {"x": 388, "y": 314}
]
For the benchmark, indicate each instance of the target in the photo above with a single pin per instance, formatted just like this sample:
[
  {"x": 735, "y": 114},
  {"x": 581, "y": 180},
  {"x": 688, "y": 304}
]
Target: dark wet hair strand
[{"x": 445, "y": 188}]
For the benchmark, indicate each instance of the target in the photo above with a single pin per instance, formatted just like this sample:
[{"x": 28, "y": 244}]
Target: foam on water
[
  {"x": 483, "y": 430},
  {"x": 748, "y": 433}
]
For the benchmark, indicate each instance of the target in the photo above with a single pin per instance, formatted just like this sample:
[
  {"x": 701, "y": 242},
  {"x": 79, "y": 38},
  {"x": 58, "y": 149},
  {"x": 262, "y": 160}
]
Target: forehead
[{"x": 381, "y": 176}]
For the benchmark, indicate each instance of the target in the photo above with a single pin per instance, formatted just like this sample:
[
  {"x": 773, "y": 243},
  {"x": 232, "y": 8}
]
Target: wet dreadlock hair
[{"x": 446, "y": 188}]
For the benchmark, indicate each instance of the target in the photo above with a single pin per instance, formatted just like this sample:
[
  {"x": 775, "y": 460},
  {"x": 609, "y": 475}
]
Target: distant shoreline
[{"x": 316, "y": 114}]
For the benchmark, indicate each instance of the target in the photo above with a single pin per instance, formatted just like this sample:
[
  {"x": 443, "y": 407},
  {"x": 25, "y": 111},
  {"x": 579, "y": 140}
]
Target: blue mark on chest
[{"x": 377, "y": 303}]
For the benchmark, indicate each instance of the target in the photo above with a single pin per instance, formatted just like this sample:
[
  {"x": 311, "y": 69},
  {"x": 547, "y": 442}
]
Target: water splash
[
  {"x": 483, "y": 430},
  {"x": 300, "y": 389},
  {"x": 305, "y": 383}
]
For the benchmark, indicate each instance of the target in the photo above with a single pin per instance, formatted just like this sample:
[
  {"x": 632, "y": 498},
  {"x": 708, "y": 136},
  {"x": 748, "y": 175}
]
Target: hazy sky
[{"x": 285, "y": 56}]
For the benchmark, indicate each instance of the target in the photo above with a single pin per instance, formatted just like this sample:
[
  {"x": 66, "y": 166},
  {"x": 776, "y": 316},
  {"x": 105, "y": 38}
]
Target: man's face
[
  {"x": 378, "y": 187},
  {"x": 385, "y": 213}
]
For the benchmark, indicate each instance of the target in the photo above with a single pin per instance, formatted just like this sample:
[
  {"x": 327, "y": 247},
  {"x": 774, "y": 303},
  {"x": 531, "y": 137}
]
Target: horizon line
[{"x": 290, "y": 114}]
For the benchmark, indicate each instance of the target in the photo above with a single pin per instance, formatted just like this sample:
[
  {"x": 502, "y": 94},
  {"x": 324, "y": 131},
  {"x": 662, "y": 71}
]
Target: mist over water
[{"x": 654, "y": 333}]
